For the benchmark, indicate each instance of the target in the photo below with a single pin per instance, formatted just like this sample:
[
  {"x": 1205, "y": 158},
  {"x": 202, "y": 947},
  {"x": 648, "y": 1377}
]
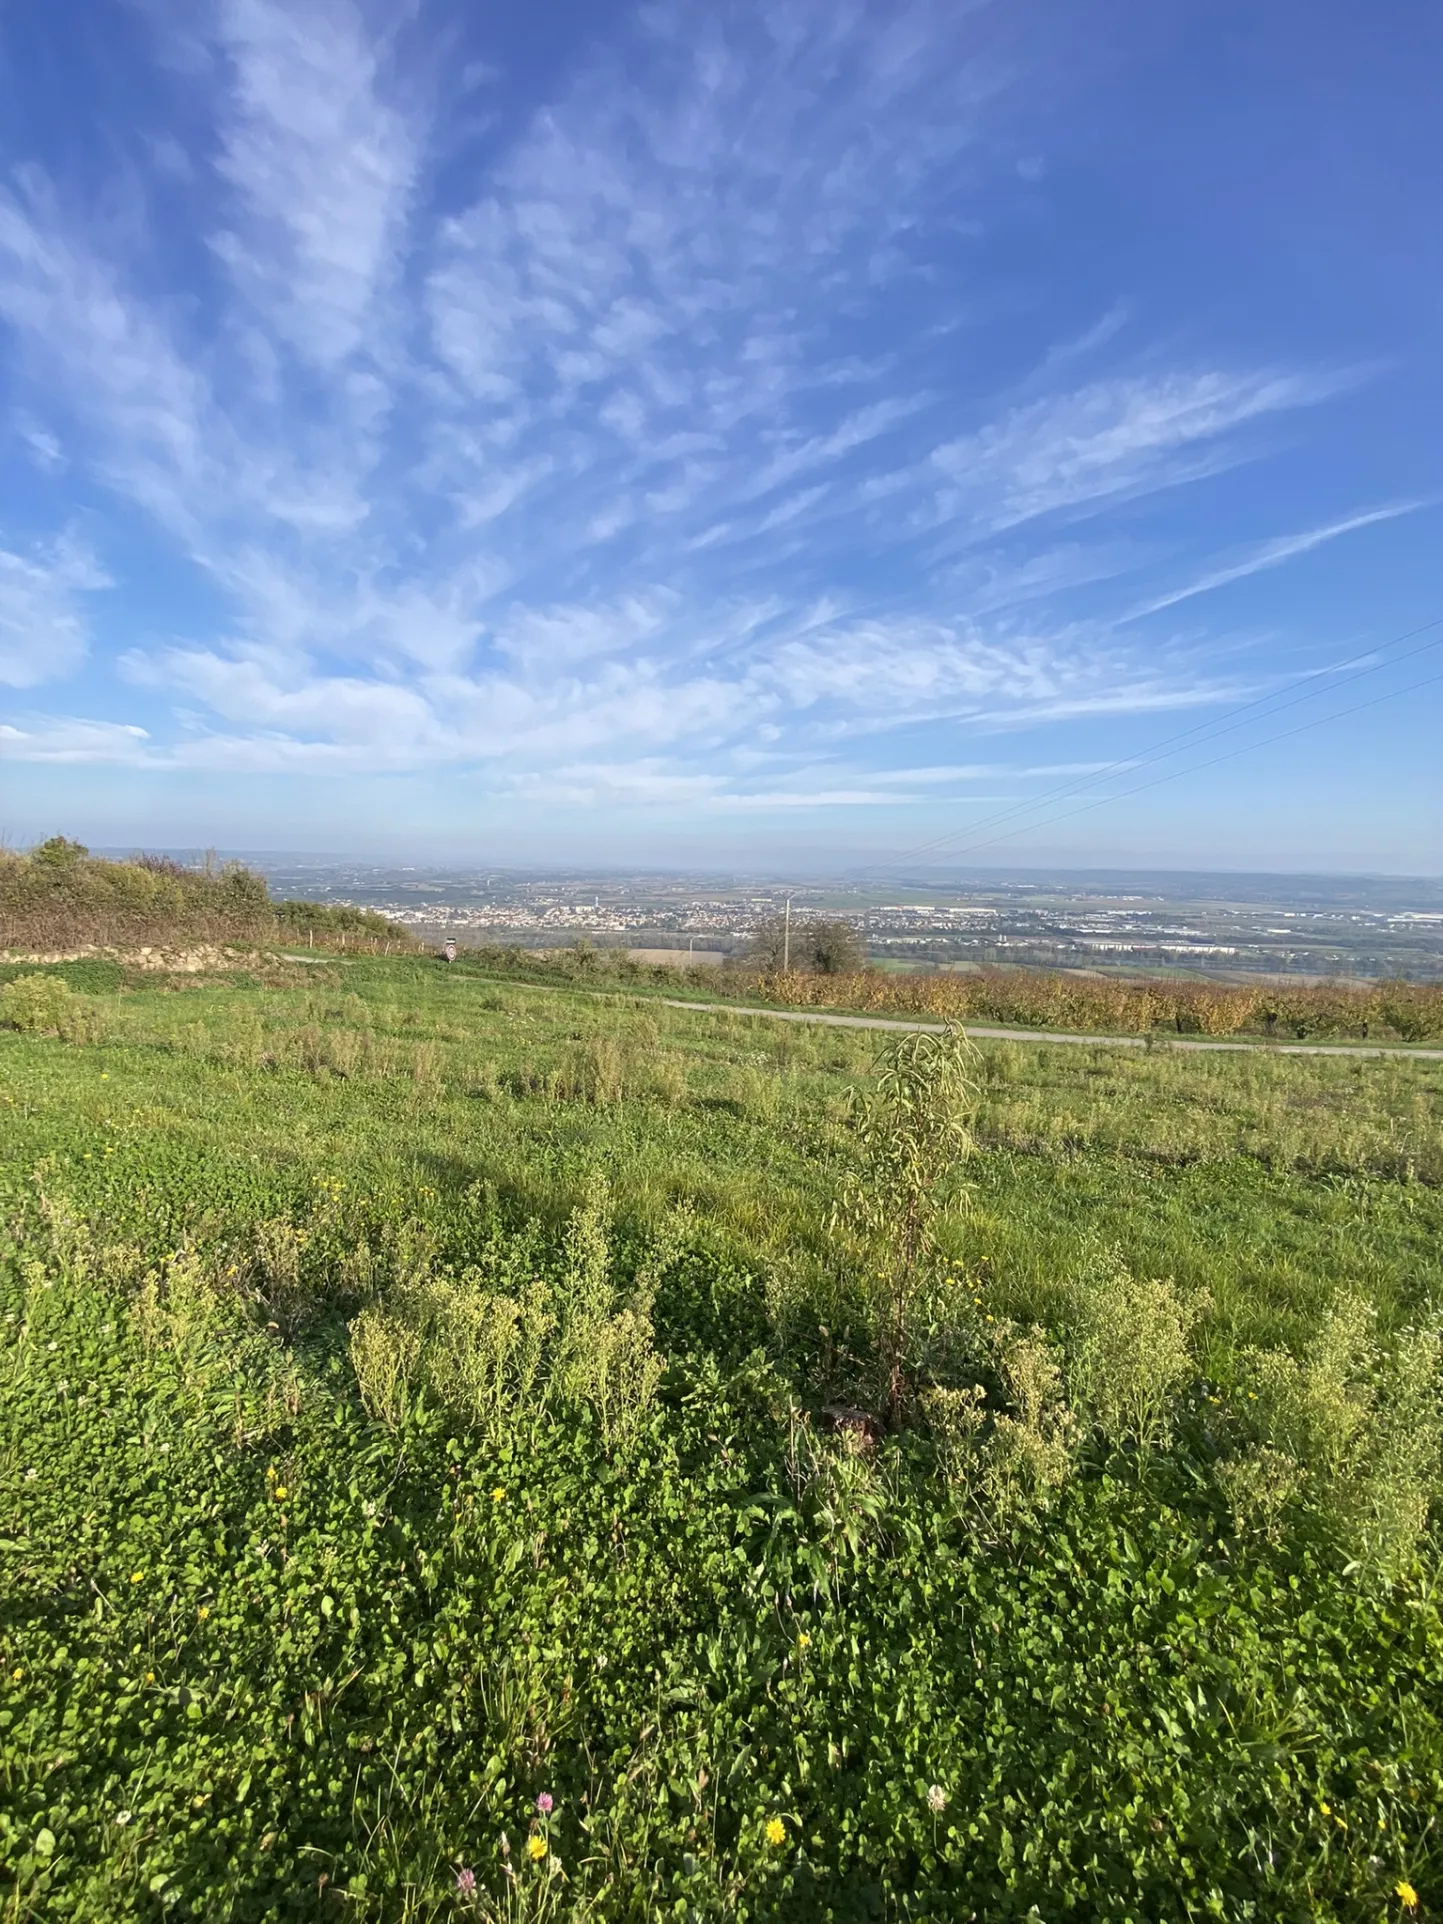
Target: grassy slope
[{"x": 361, "y": 1685}]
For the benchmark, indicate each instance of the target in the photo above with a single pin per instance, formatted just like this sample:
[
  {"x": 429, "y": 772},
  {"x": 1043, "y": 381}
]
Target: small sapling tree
[{"x": 911, "y": 1136}]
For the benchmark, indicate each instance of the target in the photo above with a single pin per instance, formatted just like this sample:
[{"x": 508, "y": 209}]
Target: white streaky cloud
[
  {"x": 895, "y": 667},
  {"x": 1111, "y": 439},
  {"x": 595, "y": 464},
  {"x": 271, "y": 694},
  {"x": 544, "y": 640},
  {"x": 104, "y": 360},
  {"x": 44, "y": 624},
  {"x": 323, "y": 169},
  {"x": 42, "y": 446},
  {"x": 47, "y": 738},
  {"x": 1272, "y": 554},
  {"x": 648, "y": 784},
  {"x": 996, "y": 580},
  {"x": 664, "y": 261},
  {"x": 1081, "y": 346},
  {"x": 990, "y": 772}
]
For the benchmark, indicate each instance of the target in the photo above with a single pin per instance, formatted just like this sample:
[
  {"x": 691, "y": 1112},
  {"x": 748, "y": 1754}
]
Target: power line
[
  {"x": 1211, "y": 730},
  {"x": 1318, "y": 721}
]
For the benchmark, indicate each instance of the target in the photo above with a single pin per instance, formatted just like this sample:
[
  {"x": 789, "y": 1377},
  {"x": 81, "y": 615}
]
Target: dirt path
[{"x": 1050, "y": 1035}]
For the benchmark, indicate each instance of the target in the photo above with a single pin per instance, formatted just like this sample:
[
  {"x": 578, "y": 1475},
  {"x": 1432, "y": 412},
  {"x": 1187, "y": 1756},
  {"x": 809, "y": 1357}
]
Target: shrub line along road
[{"x": 1052, "y": 1035}]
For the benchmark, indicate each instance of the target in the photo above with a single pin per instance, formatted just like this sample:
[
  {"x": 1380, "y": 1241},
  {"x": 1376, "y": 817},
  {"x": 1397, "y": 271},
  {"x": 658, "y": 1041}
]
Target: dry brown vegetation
[{"x": 1034, "y": 998}]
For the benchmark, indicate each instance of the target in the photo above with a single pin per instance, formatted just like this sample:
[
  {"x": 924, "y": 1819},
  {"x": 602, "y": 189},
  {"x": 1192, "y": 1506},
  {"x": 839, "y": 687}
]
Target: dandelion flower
[
  {"x": 281, "y": 1493},
  {"x": 202, "y": 1611},
  {"x": 1406, "y": 1894},
  {"x": 543, "y": 1803},
  {"x": 465, "y": 1882},
  {"x": 137, "y": 1576},
  {"x": 776, "y": 1832},
  {"x": 936, "y": 1799},
  {"x": 803, "y": 1641},
  {"x": 498, "y": 1495},
  {"x": 536, "y": 1847}
]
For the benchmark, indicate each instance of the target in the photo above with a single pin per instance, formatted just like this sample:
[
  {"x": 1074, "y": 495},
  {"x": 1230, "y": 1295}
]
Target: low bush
[
  {"x": 47, "y": 1005},
  {"x": 61, "y": 897}
]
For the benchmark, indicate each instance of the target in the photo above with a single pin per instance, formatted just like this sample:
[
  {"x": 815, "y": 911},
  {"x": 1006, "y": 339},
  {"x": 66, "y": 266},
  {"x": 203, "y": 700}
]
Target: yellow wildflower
[
  {"x": 1407, "y": 1894},
  {"x": 202, "y": 1611},
  {"x": 281, "y": 1492},
  {"x": 776, "y": 1832},
  {"x": 535, "y": 1847},
  {"x": 137, "y": 1576},
  {"x": 498, "y": 1495}
]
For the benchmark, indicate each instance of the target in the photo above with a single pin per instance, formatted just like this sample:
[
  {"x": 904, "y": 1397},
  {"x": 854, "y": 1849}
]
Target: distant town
[{"x": 1213, "y": 925}]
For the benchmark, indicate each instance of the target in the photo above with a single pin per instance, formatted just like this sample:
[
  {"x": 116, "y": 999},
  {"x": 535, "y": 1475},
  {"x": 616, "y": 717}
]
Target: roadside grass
[{"x": 276, "y": 1641}]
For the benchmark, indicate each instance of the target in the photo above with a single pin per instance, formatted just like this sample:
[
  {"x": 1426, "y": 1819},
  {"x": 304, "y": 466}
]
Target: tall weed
[
  {"x": 1350, "y": 1427},
  {"x": 1128, "y": 1352}
]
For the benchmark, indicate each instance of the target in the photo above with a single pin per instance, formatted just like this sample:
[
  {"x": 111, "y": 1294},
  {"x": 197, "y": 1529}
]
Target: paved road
[{"x": 1050, "y": 1035}]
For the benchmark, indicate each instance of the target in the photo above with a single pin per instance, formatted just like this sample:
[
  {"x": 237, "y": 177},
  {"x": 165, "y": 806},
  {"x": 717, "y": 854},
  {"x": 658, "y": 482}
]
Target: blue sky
[{"x": 771, "y": 432}]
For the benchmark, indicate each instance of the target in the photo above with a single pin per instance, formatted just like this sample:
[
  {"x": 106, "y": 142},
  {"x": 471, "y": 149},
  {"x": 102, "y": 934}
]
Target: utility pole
[{"x": 787, "y": 940}]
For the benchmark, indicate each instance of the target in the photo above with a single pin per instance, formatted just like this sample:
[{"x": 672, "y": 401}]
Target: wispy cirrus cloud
[
  {"x": 44, "y": 622},
  {"x": 1272, "y": 554},
  {"x": 322, "y": 167},
  {"x": 1111, "y": 440},
  {"x": 71, "y": 739},
  {"x": 653, "y": 442}
]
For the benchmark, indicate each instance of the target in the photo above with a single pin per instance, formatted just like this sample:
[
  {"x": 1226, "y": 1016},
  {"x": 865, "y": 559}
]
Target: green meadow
[{"x": 474, "y": 1446}]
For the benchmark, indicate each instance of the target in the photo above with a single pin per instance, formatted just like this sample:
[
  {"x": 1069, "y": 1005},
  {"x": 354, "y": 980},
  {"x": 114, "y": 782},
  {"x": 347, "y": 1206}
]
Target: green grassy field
[{"x": 414, "y": 1408}]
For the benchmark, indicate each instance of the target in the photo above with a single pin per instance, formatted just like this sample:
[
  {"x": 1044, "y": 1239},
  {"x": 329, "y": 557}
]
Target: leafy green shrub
[
  {"x": 385, "y": 1353},
  {"x": 1259, "y": 1485},
  {"x": 61, "y": 896},
  {"x": 1356, "y": 1426},
  {"x": 1009, "y": 1462},
  {"x": 1031, "y": 1451},
  {"x": 1405, "y": 1447},
  {"x": 488, "y": 1352},
  {"x": 93, "y": 975},
  {"x": 604, "y": 1355},
  {"x": 1128, "y": 1352},
  {"x": 45, "y": 1005}
]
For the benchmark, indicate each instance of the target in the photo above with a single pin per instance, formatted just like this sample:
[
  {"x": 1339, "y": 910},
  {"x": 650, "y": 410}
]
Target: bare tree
[
  {"x": 834, "y": 947},
  {"x": 815, "y": 945}
]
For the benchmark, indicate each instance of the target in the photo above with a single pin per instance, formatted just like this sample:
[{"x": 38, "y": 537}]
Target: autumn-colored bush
[{"x": 1104, "y": 1005}]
